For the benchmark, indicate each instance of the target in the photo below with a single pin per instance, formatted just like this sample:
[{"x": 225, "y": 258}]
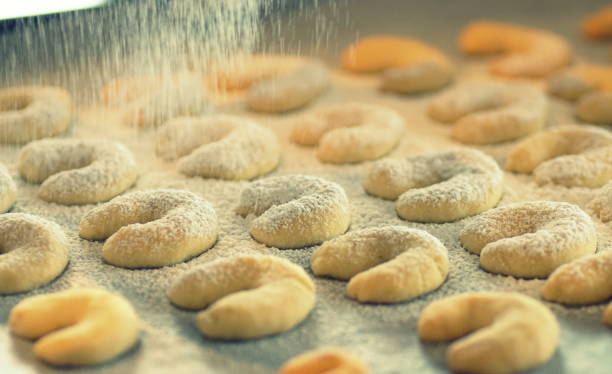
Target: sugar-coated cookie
[
  {"x": 219, "y": 146},
  {"x": 294, "y": 211},
  {"x": 530, "y": 239},
  {"x": 75, "y": 171},
  {"x": 385, "y": 264},
  {"x": 349, "y": 132},
  {"x": 438, "y": 187},
  {"x": 152, "y": 228},
  {"x": 34, "y": 251}
]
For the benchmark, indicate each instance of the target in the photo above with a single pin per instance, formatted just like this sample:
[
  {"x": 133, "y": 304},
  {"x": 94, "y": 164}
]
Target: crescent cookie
[
  {"x": 576, "y": 81},
  {"x": 294, "y": 211},
  {"x": 407, "y": 65},
  {"x": 528, "y": 52},
  {"x": 74, "y": 171},
  {"x": 573, "y": 156},
  {"x": 275, "y": 83},
  {"x": 79, "y": 326},
  {"x": 219, "y": 146},
  {"x": 385, "y": 265},
  {"x": 246, "y": 296},
  {"x": 598, "y": 26},
  {"x": 509, "y": 332},
  {"x": 149, "y": 101},
  {"x": 349, "y": 132},
  {"x": 33, "y": 112},
  {"x": 33, "y": 252},
  {"x": 595, "y": 108},
  {"x": 282, "y": 94},
  {"x": 587, "y": 280},
  {"x": 530, "y": 239},
  {"x": 490, "y": 112},
  {"x": 152, "y": 228},
  {"x": 601, "y": 205},
  {"x": 438, "y": 187},
  {"x": 8, "y": 190},
  {"x": 325, "y": 361}
]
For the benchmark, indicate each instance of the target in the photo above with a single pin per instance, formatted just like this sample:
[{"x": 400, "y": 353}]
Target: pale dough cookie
[
  {"x": 349, "y": 132},
  {"x": 385, "y": 265},
  {"x": 219, "y": 146},
  {"x": 149, "y": 101},
  {"x": 246, "y": 296},
  {"x": 587, "y": 280},
  {"x": 33, "y": 252},
  {"x": 598, "y": 26},
  {"x": 33, "y": 112},
  {"x": 80, "y": 326},
  {"x": 601, "y": 205},
  {"x": 74, "y": 171},
  {"x": 407, "y": 65},
  {"x": 490, "y": 112},
  {"x": 568, "y": 155},
  {"x": 510, "y": 332},
  {"x": 274, "y": 83},
  {"x": 8, "y": 190},
  {"x": 152, "y": 228},
  {"x": 294, "y": 211},
  {"x": 530, "y": 239},
  {"x": 528, "y": 52},
  {"x": 289, "y": 92},
  {"x": 438, "y": 187},
  {"x": 325, "y": 361}
]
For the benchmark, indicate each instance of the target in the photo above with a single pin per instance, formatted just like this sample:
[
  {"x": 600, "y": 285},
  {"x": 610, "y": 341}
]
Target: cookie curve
[
  {"x": 246, "y": 296},
  {"x": 489, "y": 112},
  {"x": 219, "y": 146},
  {"x": 586, "y": 280},
  {"x": 509, "y": 331},
  {"x": 33, "y": 112},
  {"x": 349, "y": 132},
  {"x": 35, "y": 252},
  {"x": 170, "y": 225},
  {"x": 437, "y": 187},
  {"x": 77, "y": 171},
  {"x": 529, "y": 52},
  {"x": 294, "y": 211},
  {"x": 544, "y": 236},
  {"x": 569, "y": 155},
  {"x": 387, "y": 264},
  {"x": 98, "y": 326},
  {"x": 406, "y": 66}
]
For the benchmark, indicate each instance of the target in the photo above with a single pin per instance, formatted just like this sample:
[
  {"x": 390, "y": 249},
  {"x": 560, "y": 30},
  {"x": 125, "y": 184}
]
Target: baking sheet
[{"x": 383, "y": 335}]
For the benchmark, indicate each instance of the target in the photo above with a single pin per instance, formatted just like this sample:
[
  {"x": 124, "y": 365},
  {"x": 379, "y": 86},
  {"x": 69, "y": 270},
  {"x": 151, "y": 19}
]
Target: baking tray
[{"x": 383, "y": 335}]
